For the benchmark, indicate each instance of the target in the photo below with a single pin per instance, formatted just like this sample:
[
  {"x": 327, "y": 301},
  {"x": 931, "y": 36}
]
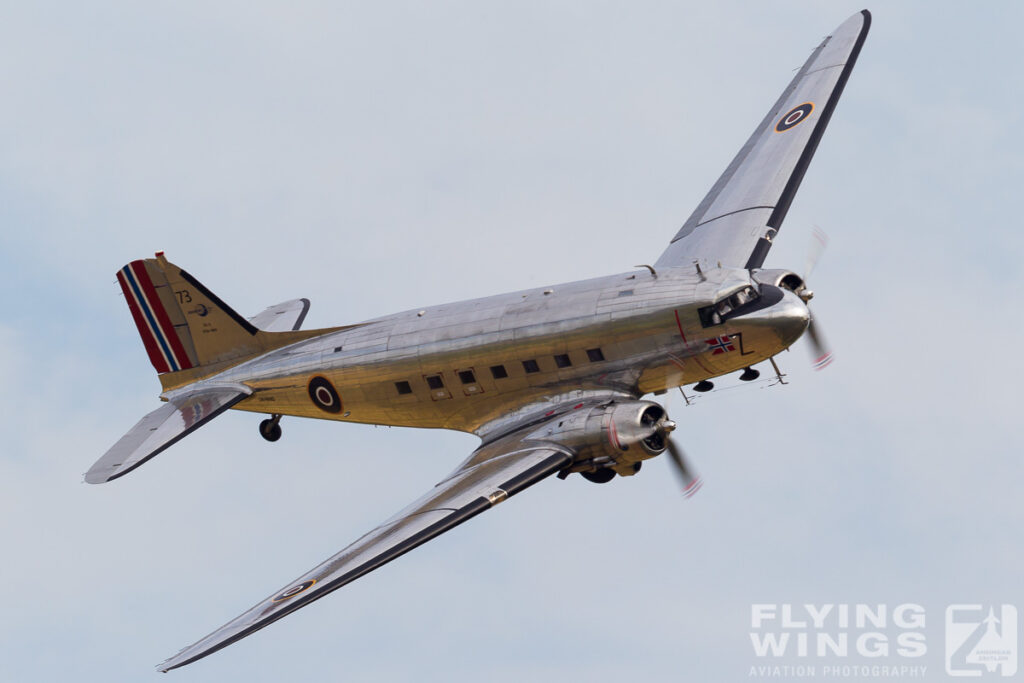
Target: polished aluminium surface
[
  {"x": 551, "y": 379},
  {"x": 185, "y": 412},
  {"x": 558, "y": 419},
  {"x": 737, "y": 220},
  {"x": 646, "y": 327},
  {"x": 458, "y": 498}
]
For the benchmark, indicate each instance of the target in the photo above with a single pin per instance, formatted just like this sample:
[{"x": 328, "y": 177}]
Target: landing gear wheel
[
  {"x": 601, "y": 475},
  {"x": 271, "y": 429},
  {"x": 703, "y": 386}
]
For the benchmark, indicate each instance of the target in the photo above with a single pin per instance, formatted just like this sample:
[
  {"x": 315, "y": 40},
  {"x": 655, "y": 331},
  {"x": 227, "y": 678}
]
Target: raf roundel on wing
[
  {"x": 794, "y": 116},
  {"x": 293, "y": 591}
]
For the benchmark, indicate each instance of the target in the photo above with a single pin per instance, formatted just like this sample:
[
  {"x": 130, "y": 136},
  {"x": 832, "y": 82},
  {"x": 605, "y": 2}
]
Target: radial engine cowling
[
  {"x": 617, "y": 436},
  {"x": 786, "y": 279}
]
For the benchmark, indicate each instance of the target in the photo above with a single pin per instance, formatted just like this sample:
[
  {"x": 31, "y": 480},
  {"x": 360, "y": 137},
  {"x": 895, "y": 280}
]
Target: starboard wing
[
  {"x": 735, "y": 223},
  {"x": 479, "y": 484}
]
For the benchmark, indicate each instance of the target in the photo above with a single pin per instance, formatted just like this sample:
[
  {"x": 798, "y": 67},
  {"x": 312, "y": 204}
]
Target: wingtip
[
  {"x": 104, "y": 474},
  {"x": 168, "y": 664},
  {"x": 94, "y": 478}
]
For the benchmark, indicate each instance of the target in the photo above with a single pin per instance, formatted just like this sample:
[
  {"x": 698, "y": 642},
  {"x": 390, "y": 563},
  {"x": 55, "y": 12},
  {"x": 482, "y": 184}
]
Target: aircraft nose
[
  {"x": 790, "y": 318},
  {"x": 787, "y": 318}
]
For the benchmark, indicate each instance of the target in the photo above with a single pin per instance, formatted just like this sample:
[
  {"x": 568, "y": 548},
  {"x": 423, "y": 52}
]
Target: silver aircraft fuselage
[
  {"x": 462, "y": 365},
  {"x": 550, "y": 379}
]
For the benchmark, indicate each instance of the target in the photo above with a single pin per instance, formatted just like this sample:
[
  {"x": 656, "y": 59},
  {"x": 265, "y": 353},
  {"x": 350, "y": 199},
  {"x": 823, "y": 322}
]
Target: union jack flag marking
[{"x": 720, "y": 345}]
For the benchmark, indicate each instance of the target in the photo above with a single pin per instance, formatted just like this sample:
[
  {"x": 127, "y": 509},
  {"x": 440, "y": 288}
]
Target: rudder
[{"x": 158, "y": 317}]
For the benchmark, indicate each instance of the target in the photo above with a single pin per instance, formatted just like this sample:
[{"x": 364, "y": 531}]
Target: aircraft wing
[
  {"x": 492, "y": 474},
  {"x": 181, "y": 415},
  {"x": 283, "y": 317},
  {"x": 735, "y": 223}
]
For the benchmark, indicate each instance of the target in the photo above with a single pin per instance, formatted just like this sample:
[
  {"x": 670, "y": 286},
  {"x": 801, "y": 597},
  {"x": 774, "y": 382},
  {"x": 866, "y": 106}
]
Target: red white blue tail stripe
[{"x": 163, "y": 345}]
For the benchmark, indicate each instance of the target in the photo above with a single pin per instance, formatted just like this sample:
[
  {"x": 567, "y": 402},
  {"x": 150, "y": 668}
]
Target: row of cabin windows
[{"x": 435, "y": 382}]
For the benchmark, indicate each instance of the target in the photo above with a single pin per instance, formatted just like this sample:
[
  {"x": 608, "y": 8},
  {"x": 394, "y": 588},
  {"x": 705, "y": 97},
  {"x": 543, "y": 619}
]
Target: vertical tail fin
[{"x": 187, "y": 330}]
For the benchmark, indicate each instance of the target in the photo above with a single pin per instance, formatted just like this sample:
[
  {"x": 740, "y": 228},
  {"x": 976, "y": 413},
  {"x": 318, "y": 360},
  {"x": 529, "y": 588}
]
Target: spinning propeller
[
  {"x": 691, "y": 480},
  {"x": 819, "y": 347}
]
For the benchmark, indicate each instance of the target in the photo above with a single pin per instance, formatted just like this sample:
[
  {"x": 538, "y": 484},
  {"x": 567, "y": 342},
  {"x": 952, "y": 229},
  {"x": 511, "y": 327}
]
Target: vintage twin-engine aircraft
[{"x": 550, "y": 379}]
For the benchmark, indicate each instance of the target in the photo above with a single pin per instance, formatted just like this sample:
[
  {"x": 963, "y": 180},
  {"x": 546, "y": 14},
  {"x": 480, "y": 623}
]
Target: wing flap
[
  {"x": 458, "y": 498},
  {"x": 161, "y": 428},
  {"x": 736, "y": 221}
]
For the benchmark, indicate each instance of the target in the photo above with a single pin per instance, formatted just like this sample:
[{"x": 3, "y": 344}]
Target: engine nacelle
[
  {"x": 617, "y": 436},
  {"x": 786, "y": 279}
]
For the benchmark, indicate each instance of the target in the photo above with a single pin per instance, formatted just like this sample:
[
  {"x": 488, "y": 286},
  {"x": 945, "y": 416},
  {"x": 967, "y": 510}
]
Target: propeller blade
[
  {"x": 819, "y": 347},
  {"x": 819, "y": 240},
  {"x": 691, "y": 482}
]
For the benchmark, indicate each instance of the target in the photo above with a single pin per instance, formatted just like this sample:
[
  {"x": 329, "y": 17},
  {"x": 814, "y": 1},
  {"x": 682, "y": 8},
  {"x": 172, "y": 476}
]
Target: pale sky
[{"x": 387, "y": 156}]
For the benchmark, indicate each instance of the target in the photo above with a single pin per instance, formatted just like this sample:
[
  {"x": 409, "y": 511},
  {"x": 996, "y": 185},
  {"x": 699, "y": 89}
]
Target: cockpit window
[{"x": 718, "y": 312}]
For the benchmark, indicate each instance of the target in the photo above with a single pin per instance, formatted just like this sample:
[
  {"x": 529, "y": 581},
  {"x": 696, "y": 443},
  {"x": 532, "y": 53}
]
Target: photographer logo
[{"x": 981, "y": 640}]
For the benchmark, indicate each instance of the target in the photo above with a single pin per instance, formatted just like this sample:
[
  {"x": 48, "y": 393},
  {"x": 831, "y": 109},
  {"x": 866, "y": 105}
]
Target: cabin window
[
  {"x": 403, "y": 387},
  {"x": 531, "y": 366},
  {"x": 562, "y": 360},
  {"x": 626, "y": 292},
  {"x": 594, "y": 355},
  {"x": 467, "y": 377},
  {"x": 499, "y": 372},
  {"x": 435, "y": 382}
]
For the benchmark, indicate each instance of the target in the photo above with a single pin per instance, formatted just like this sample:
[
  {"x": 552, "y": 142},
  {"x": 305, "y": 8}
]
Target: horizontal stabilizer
[
  {"x": 283, "y": 317},
  {"x": 164, "y": 426}
]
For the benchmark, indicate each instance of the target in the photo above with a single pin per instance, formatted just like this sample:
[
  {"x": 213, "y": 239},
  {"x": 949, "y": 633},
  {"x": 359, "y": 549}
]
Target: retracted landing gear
[{"x": 271, "y": 429}]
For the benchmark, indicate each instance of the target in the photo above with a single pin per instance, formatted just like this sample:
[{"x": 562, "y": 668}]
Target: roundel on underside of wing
[
  {"x": 323, "y": 394},
  {"x": 794, "y": 116},
  {"x": 293, "y": 591}
]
